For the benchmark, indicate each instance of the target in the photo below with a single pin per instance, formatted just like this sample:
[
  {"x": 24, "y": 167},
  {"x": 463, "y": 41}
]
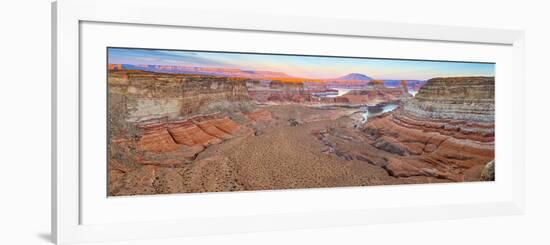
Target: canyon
[
  {"x": 216, "y": 130},
  {"x": 445, "y": 131}
]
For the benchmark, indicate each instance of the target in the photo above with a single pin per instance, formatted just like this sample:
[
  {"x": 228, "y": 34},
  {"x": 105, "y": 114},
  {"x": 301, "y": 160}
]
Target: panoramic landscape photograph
[{"x": 183, "y": 121}]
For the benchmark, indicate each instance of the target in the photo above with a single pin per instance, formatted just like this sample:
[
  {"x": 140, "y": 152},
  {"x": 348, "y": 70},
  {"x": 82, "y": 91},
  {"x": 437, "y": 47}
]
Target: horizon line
[
  {"x": 289, "y": 76},
  {"x": 300, "y": 65}
]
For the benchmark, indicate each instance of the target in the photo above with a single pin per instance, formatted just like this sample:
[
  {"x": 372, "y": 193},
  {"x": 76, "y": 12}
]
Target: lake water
[
  {"x": 371, "y": 111},
  {"x": 413, "y": 92}
]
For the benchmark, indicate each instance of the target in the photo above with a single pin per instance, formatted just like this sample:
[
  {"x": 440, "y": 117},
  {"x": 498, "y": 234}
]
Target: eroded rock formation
[
  {"x": 488, "y": 172},
  {"x": 151, "y": 95},
  {"x": 355, "y": 92},
  {"x": 379, "y": 94},
  {"x": 446, "y": 131},
  {"x": 460, "y": 98},
  {"x": 160, "y": 121},
  {"x": 174, "y": 133}
]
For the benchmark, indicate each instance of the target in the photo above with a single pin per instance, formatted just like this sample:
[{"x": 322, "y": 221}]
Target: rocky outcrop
[
  {"x": 448, "y": 135},
  {"x": 204, "y": 92},
  {"x": 174, "y": 133},
  {"x": 164, "y": 156},
  {"x": 193, "y": 135},
  {"x": 461, "y": 98},
  {"x": 379, "y": 94},
  {"x": 288, "y": 97},
  {"x": 153, "y": 95},
  {"x": 172, "y": 143},
  {"x": 153, "y": 116},
  {"x": 488, "y": 172},
  {"x": 423, "y": 147},
  {"x": 157, "y": 140},
  {"x": 115, "y": 67},
  {"x": 405, "y": 86},
  {"x": 297, "y": 93},
  {"x": 446, "y": 131},
  {"x": 287, "y": 92}
]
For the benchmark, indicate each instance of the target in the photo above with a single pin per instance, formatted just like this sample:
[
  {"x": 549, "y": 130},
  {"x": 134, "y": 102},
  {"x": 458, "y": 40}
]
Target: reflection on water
[
  {"x": 389, "y": 107},
  {"x": 371, "y": 111},
  {"x": 333, "y": 92},
  {"x": 366, "y": 115}
]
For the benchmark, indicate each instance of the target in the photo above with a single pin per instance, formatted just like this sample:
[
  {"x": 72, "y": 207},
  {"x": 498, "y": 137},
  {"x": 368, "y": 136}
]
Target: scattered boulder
[
  {"x": 293, "y": 122},
  {"x": 488, "y": 172}
]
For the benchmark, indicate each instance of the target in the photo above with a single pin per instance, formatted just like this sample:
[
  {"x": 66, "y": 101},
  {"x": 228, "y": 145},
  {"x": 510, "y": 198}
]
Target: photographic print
[{"x": 189, "y": 121}]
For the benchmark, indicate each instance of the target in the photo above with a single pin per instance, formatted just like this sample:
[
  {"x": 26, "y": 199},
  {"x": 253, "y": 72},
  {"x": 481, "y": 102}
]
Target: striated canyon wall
[
  {"x": 150, "y": 95},
  {"x": 446, "y": 131},
  {"x": 464, "y": 98},
  {"x": 160, "y": 123}
]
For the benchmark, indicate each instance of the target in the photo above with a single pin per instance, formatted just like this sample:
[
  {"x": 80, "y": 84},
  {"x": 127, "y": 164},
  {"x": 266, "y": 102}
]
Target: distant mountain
[
  {"x": 352, "y": 80},
  {"x": 355, "y": 77}
]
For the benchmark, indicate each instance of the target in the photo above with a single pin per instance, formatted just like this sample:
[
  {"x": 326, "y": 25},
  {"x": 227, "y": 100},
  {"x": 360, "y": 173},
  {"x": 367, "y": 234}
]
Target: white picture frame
[{"x": 67, "y": 17}]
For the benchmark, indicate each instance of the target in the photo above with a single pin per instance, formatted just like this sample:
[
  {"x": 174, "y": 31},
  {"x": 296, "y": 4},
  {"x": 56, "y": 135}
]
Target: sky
[{"x": 316, "y": 67}]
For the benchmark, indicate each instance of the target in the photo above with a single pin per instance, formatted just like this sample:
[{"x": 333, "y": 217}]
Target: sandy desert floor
[{"x": 281, "y": 155}]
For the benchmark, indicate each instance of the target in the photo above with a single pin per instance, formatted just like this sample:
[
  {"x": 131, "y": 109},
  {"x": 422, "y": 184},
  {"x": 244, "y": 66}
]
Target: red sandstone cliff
[{"x": 446, "y": 131}]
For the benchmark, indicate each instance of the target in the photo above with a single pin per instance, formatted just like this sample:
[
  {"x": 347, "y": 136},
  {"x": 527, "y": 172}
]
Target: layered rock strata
[
  {"x": 179, "y": 142},
  {"x": 299, "y": 92},
  {"x": 172, "y": 133},
  {"x": 379, "y": 94},
  {"x": 165, "y": 155},
  {"x": 460, "y": 98},
  {"x": 446, "y": 132},
  {"x": 152, "y": 95},
  {"x": 168, "y": 119}
]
